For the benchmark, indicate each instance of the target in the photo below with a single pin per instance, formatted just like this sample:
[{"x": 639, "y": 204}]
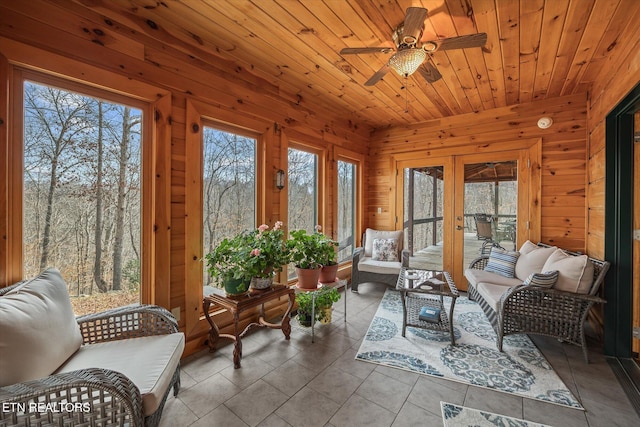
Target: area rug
[
  {"x": 521, "y": 369},
  {"x": 461, "y": 416}
]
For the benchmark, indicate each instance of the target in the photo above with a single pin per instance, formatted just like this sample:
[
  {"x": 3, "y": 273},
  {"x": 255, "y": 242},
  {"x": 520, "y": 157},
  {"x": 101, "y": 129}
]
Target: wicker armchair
[
  {"x": 542, "y": 311},
  {"x": 93, "y": 396},
  {"x": 365, "y": 269}
]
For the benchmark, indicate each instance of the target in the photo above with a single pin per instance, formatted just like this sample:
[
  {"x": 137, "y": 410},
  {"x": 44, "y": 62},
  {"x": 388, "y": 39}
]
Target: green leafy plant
[
  {"x": 250, "y": 253},
  {"x": 311, "y": 250},
  {"x": 324, "y": 297}
]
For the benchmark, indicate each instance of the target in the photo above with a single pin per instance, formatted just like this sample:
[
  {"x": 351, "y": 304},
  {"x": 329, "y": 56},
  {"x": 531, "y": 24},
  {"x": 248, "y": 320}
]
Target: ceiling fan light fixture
[{"x": 405, "y": 62}]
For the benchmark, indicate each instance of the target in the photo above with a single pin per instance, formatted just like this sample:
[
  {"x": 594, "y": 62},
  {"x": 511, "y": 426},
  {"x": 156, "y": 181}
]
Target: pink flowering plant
[
  {"x": 252, "y": 253},
  {"x": 311, "y": 250},
  {"x": 268, "y": 252}
]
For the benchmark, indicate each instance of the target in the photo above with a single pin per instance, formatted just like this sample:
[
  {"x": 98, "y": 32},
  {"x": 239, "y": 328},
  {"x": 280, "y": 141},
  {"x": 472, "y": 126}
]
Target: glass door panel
[
  {"x": 423, "y": 216},
  {"x": 490, "y": 207},
  {"x": 489, "y": 195}
]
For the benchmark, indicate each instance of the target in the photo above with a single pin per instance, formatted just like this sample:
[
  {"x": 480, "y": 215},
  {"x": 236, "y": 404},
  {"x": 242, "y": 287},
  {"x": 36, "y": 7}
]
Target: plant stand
[
  {"x": 338, "y": 283},
  {"x": 236, "y": 306}
]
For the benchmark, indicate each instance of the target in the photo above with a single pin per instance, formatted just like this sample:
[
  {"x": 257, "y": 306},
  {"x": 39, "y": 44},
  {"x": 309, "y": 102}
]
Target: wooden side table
[{"x": 237, "y": 305}]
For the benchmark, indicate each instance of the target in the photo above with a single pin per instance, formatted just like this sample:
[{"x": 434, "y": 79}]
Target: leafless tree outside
[
  {"x": 82, "y": 162},
  {"x": 229, "y": 184},
  {"x": 346, "y": 209}
]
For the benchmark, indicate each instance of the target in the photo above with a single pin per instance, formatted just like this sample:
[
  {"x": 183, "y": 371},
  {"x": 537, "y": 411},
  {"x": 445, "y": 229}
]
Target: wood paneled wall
[
  {"x": 564, "y": 145},
  {"x": 230, "y": 98},
  {"x": 619, "y": 74}
]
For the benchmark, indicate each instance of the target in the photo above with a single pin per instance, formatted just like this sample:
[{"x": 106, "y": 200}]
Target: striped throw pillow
[
  {"x": 502, "y": 262},
  {"x": 542, "y": 280}
]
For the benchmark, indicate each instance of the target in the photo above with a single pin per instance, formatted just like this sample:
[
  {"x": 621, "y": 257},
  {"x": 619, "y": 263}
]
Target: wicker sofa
[
  {"x": 366, "y": 268},
  {"x": 111, "y": 368},
  {"x": 515, "y": 306}
]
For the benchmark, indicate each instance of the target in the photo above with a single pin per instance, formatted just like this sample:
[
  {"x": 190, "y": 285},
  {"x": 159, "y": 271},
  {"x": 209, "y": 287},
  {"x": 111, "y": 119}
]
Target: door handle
[{"x": 459, "y": 227}]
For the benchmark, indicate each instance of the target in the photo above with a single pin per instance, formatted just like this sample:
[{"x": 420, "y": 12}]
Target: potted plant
[
  {"x": 268, "y": 254},
  {"x": 306, "y": 251},
  {"x": 328, "y": 259},
  {"x": 247, "y": 257},
  {"x": 304, "y": 302},
  {"x": 324, "y": 299},
  {"x": 226, "y": 263}
]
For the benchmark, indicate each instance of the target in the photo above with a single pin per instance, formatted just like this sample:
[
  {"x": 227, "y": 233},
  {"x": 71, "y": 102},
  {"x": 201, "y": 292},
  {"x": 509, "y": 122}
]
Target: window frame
[
  {"x": 341, "y": 154},
  {"x": 258, "y": 162},
  {"x": 155, "y": 151},
  {"x": 199, "y": 114}
]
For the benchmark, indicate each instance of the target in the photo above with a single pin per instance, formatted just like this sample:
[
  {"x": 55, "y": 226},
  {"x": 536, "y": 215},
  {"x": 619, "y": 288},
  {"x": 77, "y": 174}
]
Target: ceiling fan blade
[
  {"x": 413, "y": 23},
  {"x": 429, "y": 72},
  {"x": 378, "y": 75},
  {"x": 460, "y": 42},
  {"x": 356, "y": 50}
]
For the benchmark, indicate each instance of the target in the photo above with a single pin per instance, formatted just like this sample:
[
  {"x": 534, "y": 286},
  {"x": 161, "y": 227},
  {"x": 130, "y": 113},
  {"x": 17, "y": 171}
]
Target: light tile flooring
[{"x": 299, "y": 383}]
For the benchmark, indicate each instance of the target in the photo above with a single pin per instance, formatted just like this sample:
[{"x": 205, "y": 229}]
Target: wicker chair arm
[
  {"x": 83, "y": 397},
  {"x": 479, "y": 263},
  {"x": 357, "y": 254},
  {"x": 534, "y": 299},
  {"x": 127, "y": 322}
]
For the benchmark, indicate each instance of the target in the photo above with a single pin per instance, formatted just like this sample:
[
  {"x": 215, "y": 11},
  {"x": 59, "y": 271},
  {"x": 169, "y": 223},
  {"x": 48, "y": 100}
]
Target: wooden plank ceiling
[{"x": 535, "y": 49}]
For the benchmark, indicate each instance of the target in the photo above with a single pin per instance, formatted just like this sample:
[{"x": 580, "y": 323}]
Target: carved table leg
[
  {"x": 286, "y": 319},
  {"x": 214, "y": 332},
  {"x": 237, "y": 347}
]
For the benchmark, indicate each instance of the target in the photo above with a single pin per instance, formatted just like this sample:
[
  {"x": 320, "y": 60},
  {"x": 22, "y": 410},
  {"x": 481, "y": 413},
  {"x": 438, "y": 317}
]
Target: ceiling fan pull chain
[{"x": 406, "y": 94}]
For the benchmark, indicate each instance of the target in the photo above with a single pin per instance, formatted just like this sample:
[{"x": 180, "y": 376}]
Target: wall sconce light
[
  {"x": 545, "y": 122},
  {"x": 280, "y": 179}
]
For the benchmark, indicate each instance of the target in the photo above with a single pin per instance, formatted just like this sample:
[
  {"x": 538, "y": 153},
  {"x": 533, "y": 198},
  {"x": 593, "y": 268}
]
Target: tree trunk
[
  {"x": 46, "y": 235},
  {"x": 120, "y": 204},
  {"x": 97, "y": 264}
]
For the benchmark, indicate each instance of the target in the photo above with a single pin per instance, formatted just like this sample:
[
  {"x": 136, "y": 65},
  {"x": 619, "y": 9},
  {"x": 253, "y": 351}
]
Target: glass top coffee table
[{"x": 424, "y": 291}]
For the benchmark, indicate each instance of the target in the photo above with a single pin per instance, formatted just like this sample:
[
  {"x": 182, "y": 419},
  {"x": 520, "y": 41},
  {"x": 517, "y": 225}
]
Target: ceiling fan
[{"x": 410, "y": 54}]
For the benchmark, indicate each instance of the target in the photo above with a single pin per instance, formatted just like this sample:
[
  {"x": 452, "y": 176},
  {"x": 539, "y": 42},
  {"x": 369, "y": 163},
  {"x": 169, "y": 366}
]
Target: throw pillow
[
  {"x": 370, "y": 235},
  {"x": 531, "y": 260},
  {"x": 385, "y": 250},
  {"x": 502, "y": 262},
  {"x": 576, "y": 271},
  {"x": 542, "y": 280},
  {"x": 39, "y": 329}
]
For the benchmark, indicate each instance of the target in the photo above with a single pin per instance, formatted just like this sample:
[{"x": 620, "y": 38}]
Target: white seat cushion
[
  {"x": 475, "y": 276},
  {"x": 531, "y": 260},
  {"x": 380, "y": 267},
  {"x": 38, "y": 330},
  {"x": 149, "y": 362},
  {"x": 491, "y": 293}
]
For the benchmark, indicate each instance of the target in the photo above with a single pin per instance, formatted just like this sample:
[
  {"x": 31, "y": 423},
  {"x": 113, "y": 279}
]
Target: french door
[
  {"x": 496, "y": 187},
  {"x": 438, "y": 197}
]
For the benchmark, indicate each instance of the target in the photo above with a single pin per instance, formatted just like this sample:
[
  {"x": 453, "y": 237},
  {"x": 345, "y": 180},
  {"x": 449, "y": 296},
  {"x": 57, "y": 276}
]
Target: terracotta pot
[
  {"x": 308, "y": 277},
  {"x": 328, "y": 273}
]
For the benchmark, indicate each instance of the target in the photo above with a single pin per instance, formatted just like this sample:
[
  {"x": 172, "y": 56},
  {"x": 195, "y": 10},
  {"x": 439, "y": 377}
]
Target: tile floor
[{"x": 299, "y": 383}]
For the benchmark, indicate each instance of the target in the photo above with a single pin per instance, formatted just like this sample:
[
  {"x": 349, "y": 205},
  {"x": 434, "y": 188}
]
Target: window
[
  {"x": 303, "y": 190},
  {"x": 346, "y": 209},
  {"x": 82, "y": 194},
  {"x": 302, "y": 193},
  {"x": 229, "y": 188}
]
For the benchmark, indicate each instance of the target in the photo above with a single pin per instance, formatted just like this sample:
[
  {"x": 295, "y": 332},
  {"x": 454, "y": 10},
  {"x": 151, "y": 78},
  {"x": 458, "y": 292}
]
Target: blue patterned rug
[
  {"x": 521, "y": 369},
  {"x": 460, "y": 416}
]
